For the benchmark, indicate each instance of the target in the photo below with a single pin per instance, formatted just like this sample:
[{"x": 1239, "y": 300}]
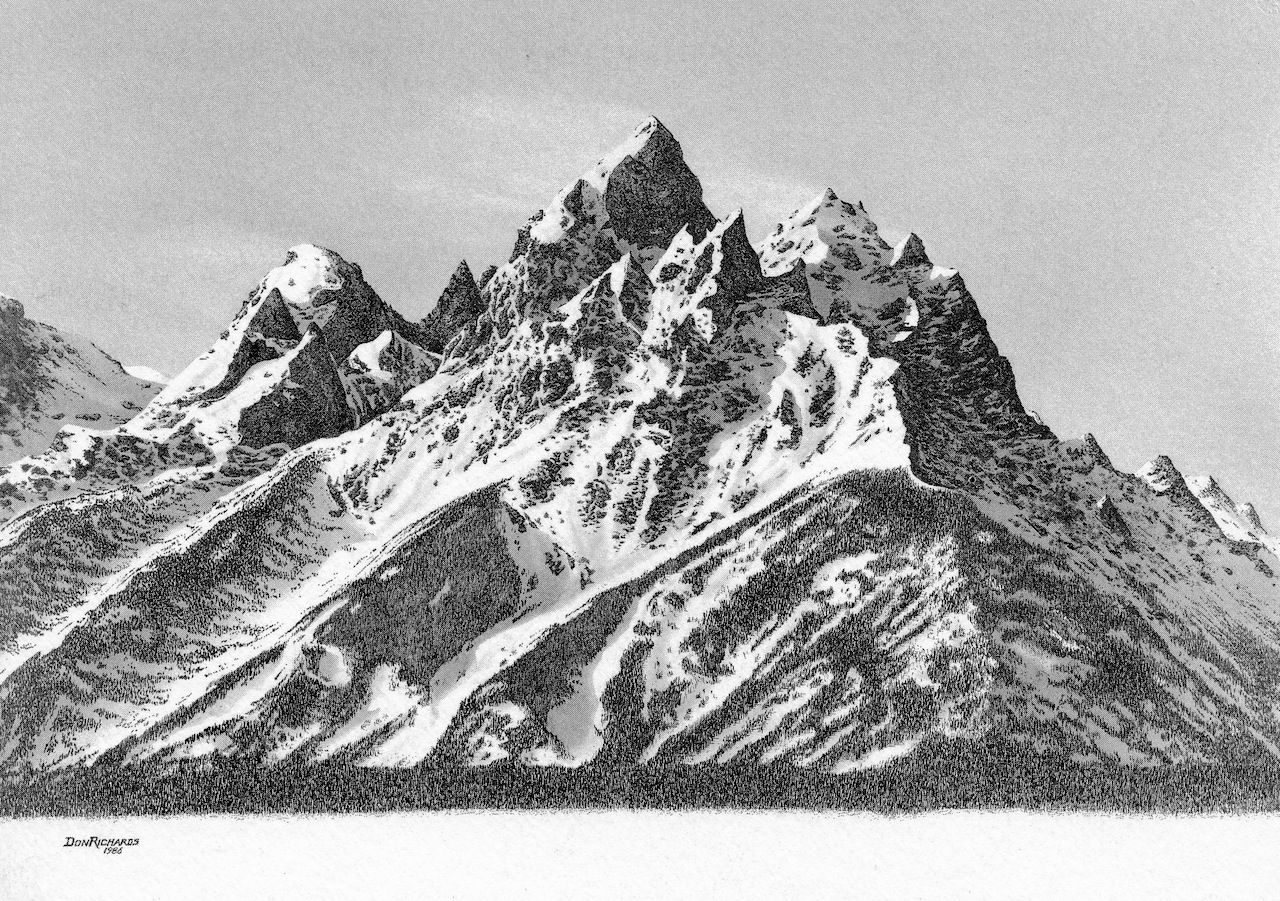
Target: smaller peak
[
  {"x": 11, "y": 307},
  {"x": 832, "y": 217},
  {"x": 311, "y": 253},
  {"x": 1249, "y": 513},
  {"x": 459, "y": 304},
  {"x": 736, "y": 220},
  {"x": 731, "y": 234},
  {"x": 828, "y": 200},
  {"x": 628, "y": 272},
  {"x": 911, "y": 252},
  {"x": 1205, "y": 485},
  {"x": 1095, "y": 450},
  {"x": 1162, "y": 463},
  {"x": 1162, "y": 475},
  {"x": 1111, "y": 517}
]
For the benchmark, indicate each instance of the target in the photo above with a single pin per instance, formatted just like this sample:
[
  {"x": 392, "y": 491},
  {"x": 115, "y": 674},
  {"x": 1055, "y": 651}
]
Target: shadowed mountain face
[{"x": 643, "y": 496}]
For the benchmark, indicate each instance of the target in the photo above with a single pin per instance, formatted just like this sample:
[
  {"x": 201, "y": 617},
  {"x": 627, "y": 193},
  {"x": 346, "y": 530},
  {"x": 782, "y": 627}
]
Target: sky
[{"x": 1106, "y": 176}]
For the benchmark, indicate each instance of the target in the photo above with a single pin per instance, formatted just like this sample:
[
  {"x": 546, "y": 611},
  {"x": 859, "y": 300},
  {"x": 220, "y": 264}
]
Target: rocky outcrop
[{"x": 1165, "y": 480}]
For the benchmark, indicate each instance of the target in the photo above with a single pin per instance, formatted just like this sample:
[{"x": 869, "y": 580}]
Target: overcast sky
[{"x": 1104, "y": 175}]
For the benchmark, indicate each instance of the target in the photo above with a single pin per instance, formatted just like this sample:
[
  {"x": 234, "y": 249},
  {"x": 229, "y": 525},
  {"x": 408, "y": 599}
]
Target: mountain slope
[{"x": 48, "y": 380}]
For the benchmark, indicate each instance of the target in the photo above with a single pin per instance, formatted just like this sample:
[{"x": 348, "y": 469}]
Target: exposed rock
[
  {"x": 1110, "y": 517},
  {"x": 458, "y": 307}
]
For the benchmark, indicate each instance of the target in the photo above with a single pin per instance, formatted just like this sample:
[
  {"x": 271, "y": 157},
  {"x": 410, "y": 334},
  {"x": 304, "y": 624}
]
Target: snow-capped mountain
[
  {"x": 643, "y": 495},
  {"x": 49, "y": 379},
  {"x": 312, "y": 353}
]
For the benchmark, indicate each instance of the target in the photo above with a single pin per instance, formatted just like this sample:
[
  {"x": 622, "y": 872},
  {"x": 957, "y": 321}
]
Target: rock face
[
  {"x": 458, "y": 308},
  {"x": 379, "y": 372},
  {"x": 649, "y": 192},
  {"x": 646, "y": 495}
]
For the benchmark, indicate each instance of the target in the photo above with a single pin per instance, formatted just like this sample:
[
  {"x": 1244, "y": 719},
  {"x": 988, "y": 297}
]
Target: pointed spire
[
  {"x": 1161, "y": 474},
  {"x": 1165, "y": 480},
  {"x": 459, "y": 305},
  {"x": 911, "y": 253},
  {"x": 1096, "y": 452}
]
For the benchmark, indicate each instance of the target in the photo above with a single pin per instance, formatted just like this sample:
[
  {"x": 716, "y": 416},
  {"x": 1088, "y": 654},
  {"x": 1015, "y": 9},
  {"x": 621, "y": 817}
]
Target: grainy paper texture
[{"x": 732, "y": 450}]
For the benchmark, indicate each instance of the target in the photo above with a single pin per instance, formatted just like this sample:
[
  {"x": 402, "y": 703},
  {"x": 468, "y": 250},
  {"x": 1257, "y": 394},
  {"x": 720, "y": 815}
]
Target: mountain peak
[
  {"x": 459, "y": 305},
  {"x": 650, "y": 141},
  {"x": 1249, "y": 513},
  {"x": 1161, "y": 474},
  {"x": 307, "y": 271},
  {"x": 11, "y": 307},
  {"x": 1165, "y": 479},
  {"x": 627, "y": 272},
  {"x": 911, "y": 252},
  {"x": 649, "y": 191},
  {"x": 1095, "y": 450},
  {"x": 1206, "y": 485}
]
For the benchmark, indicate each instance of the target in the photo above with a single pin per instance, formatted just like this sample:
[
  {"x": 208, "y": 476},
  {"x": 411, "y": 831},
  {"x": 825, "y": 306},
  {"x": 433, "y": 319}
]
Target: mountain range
[{"x": 645, "y": 496}]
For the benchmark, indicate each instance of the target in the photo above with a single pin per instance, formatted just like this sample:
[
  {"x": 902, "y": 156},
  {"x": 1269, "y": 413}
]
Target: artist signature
[{"x": 106, "y": 845}]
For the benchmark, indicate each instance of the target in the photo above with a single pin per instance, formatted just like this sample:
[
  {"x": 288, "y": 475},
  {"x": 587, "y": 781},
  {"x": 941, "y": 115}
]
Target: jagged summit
[
  {"x": 650, "y": 141},
  {"x": 307, "y": 271},
  {"x": 1161, "y": 474},
  {"x": 1238, "y": 521},
  {"x": 1095, "y": 451},
  {"x": 635, "y": 200},
  {"x": 1165, "y": 479},
  {"x": 318, "y": 286},
  {"x": 648, "y": 191}
]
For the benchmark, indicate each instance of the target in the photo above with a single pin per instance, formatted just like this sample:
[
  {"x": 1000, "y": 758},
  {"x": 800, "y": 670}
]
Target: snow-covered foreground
[{"x": 645, "y": 495}]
